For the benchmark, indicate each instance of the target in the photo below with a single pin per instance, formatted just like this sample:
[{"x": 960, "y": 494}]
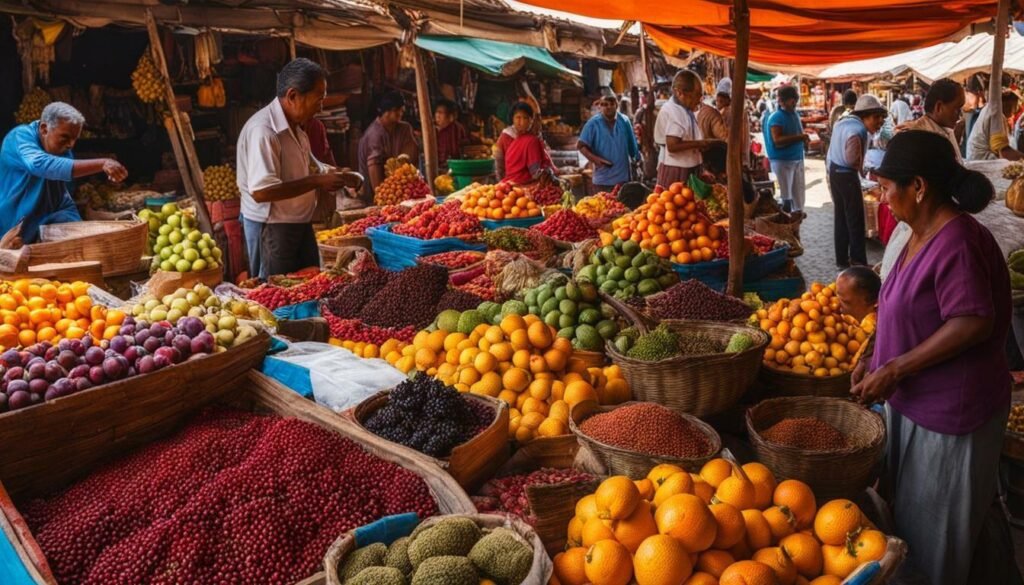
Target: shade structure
[
  {"x": 794, "y": 32},
  {"x": 495, "y": 58}
]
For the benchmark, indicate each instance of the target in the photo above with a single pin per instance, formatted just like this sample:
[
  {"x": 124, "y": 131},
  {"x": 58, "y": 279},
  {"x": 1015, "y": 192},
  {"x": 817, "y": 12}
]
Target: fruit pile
[
  {"x": 444, "y": 185},
  {"x": 717, "y": 204},
  {"x": 575, "y": 311},
  {"x": 624, "y": 270},
  {"x": 177, "y": 244},
  {"x": 550, "y": 194},
  {"x": 1016, "y": 422},
  {"x": 692, "y": 299},
  {"x": 31, "y": 107},
  {"x": 440, "y": 221},
  {"x": 220, "y": 182},
  {"x": 600, "y": 209},
  {"x": 567, "y": 226},
  {"x": 375, "y": 217},
  {"x": 147, "y": 81},
  {"x": 230, "y": 487},
  {"x": 507, "y": 495},
  {"x": 219, "y": 316},
  {"x": 453, "y": 260},
  {"x": 648, "y": 428},
  {"x": 425, "y": 414},
  {"x": 725, "y": 525},
  {"x": 320, "y": 286},
  {"x": 365, "y": 340},
  {"x": 501, "y": 201},
  {"x": 810, "y": 336},
  {"x": 401, "y": 184},
  {"x": 806, "y": 433},
  {"x": 672, "y": 225},
  {"x": 35, "y": 311},
  {"x": 755, "y": 244},
  {"x": 452, "y": 551},
  {"x": 481, "y": 286},
  {"x": 662, "y": 343},
  {"x": 521, "y": 241}
]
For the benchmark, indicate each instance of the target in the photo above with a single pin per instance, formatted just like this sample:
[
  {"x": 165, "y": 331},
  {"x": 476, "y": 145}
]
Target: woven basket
[
  {"x": 619, "y": 461},
  {"x": 700, "y": 385},
  {"x": 593, "y": 359},
  {"x": 790, "y": 384},
  {"x": 831, "y": 474}
]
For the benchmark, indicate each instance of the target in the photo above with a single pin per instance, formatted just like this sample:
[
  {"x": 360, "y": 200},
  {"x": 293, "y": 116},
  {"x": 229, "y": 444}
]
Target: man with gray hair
[
  {"x": 36, "y": 170},
  {"x": 678, "y": 133}
]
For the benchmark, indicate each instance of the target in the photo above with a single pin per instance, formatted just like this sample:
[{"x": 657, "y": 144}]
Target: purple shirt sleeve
[{"x": 963, "y": 285}]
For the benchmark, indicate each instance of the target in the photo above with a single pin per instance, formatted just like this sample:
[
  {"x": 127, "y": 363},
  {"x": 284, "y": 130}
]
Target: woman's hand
[
  {"x": 859, "y": 371},
  {"x": 876, "y": 386}
]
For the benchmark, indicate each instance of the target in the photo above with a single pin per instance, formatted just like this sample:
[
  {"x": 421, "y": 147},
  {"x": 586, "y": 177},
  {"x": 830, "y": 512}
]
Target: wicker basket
[
  {"x": 557, "y": 452},
  {"x": 619, "y": 461},
  {"x": 790, "y": 384},
  {"x": 832, "y": 474},
  {"x": 593, "y": 359},
  {"x": 471, "y": 463},
  {"x": 700, "y": 385}
]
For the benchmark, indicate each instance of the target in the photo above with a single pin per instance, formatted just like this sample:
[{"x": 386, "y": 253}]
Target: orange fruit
[
  {"x": 764, "y": 484},
  {"x": 608, "y": 563},
  {"x": 779, "y": 561},
  {"x": 701, "y": 578},
  {"x": 646, "y": 488},
  {"x": 616, "y": 498},
  {"x": 714, "y": 562},
  {"x": 748, "y": 573},
  {"x": 736, "y": 491},
  {"x": 596, "y": 529},
  {"x": 702, "y": 489},
  {"x": 540, "y": 335},
  {"x": 836, "y": 520},
  {"x": 556, "y": 359},
  {"x": 838, "y": 561},
  {"x": 742, "y": 551},
  {"x": 640, "y": 525},
  {"x": 586, "y": 508},
  {"x": 577, "y": 391},
  {"x": 805, "y": 552},
  {"x": 759, "y": 533},
  {"x": 686, "y": 517},
  {"x": 512, "y": 323},
  {"x": 659, "y": 473},
  {"x": 781, "y": 521},
  {"x": 827, "y": 580},
  {"x": 869, "y": 546},
  {"x": 661, "y": 560},
  {"x": 715, "y": 471},
  {"x": 574, "y": 533},
  {"x": 515, "y": 379},
  {"x": 731, "y": 525},
  {"x": 798, "y": 497},
  {"x": 677, "y": 483},
  {"x": 570, "y": 566}
]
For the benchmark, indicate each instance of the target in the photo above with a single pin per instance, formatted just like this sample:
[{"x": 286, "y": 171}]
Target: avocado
[
  {"x": 616, "y": 273},
  {"x": 630, "y": 248},
  {"x": 607, "y": 328},
  {"x": 548, "y": 306},
  {"x": 568, "y": 307},
  {"x": 632, "y": 275},
  {"x": 648, "y": 286}
]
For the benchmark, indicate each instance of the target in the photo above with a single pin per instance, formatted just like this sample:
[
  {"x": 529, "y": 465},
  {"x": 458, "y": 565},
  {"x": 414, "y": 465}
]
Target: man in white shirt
[
  {"x": 278, "y": 175},
  {"x": 677, "y": 132},
  {"x": 989, "y": 138},
  {"x": 900, "y": 111}
]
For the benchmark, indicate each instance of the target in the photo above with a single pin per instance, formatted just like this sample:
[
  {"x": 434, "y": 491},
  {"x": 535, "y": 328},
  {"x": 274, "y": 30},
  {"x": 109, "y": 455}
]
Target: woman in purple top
[{"x": 939, "y": 362}]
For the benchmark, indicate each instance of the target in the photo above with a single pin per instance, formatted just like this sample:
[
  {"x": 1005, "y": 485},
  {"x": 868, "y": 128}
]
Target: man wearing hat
[
  {"x": 990, "y": 137},
  {"x": 609, "y": 143},
  {"x": 845, "y": 162},
  {"x": 387, "y": 137},
  {"x": 723, "y": 101}
]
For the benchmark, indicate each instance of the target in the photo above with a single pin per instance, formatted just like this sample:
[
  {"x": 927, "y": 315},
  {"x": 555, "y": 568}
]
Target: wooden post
[
  {"x": 188, "y": 161},
  {"x": 426, "y": 117},
  {"x": 292, "y": 52},
  {"x": 995, "y": 84},
  {"x": 734, "y": 168}
]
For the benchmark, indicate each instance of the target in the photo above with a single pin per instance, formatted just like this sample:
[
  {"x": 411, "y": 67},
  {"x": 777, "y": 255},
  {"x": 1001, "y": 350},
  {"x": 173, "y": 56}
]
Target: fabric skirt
[{"x": 668, "y": 174}]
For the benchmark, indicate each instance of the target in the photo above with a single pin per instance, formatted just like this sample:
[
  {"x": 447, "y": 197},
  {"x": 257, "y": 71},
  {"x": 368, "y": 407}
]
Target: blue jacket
[{"x": 34, "y": 184}]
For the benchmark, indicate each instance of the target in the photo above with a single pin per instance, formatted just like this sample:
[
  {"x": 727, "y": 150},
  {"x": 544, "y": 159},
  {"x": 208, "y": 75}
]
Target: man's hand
[
  {"x": 114, "y": 170},
  {"x": 601, "y": 162},
  {"x": 338, "y": 181}
]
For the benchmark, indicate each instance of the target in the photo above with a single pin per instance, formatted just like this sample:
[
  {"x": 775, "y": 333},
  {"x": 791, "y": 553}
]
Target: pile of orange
[
  {"x": 501, "y": 201},
  {"x": 727, "y": 525},
  {"x": 810, "y": 335},
  {"x": 32, "y": 311},
  {"x": 672, "y": 224},
  {"x": 521, "y": 361}
]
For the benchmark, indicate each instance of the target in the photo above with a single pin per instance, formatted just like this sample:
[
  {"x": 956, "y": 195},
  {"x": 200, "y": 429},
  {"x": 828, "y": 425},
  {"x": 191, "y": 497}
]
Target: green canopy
[
  {"x": 755, "y": 76},
  {"x": 495, "y": 58}
]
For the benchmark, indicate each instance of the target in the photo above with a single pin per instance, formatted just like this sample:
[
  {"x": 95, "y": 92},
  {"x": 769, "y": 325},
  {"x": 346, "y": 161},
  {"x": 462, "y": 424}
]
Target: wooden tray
[{"x": 118, "y": 245}]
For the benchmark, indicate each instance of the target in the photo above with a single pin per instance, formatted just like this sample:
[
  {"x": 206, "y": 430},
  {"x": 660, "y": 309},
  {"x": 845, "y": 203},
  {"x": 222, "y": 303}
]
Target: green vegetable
[
  {"x": 489, "y": 309},
  {"x": 448, "y": 320},
  {"x": 659, "y": 344},
  {"x": 588, "y": 338},
  {"x": 446, "y": 570},
  {"x": 378, "y": 576},
  {"x": 698, "y": 344},
  {"x": 739, "y": 342},
  {"x": 361, "y": 558},
  {"x": 503, "y": 556},
  {"x": 398, "y": 556},
  {"x": 469, "y": 320},
  {"x": 449, "y": 537}
]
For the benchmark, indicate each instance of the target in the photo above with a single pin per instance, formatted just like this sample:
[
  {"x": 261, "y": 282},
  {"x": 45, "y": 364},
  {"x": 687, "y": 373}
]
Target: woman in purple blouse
[{"x": 939, "y": 363}]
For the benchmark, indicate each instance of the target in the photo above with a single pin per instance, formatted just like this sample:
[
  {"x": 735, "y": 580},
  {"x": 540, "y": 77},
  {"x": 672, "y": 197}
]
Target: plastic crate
[
  {"x": 518, "y": 222},
  {"x": 717, "y": 271},
  {"x": 396, "y": 252}
]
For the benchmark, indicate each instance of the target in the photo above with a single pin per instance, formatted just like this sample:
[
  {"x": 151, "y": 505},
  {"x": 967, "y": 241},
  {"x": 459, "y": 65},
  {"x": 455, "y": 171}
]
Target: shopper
[
  {"x": 712, "y": 126},
  {"x": 677, "y": 132},
  {"x": 522, "y": 156},
  {"x": 784, "y": 140},
  {"x": 723, "y": 101},
  {"x": 451, "y": 135},
  {"x": 845, "y": 161},
  {"x": 900, "y": 111},
  {"x": 990, "y": 137},
  {"x": 608, "y": 142},
  {"x": 939, "y": 360},
  {"x": 387, "y": 137},
  {"x": 943, "y": 106},
  {"x": 37, "y": 170},
  {"x": 273, "y": 168},
  {"x": 849, "y": 100}
]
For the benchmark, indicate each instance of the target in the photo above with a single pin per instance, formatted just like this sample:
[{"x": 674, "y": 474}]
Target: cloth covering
[{"x": 494, "y": 57}]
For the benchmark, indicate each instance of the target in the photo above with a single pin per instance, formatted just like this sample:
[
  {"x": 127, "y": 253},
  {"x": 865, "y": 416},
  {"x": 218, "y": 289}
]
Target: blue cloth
[
  {"x": 616, "y": 144},
  {"x": 790, "y": 123},
  {"x": 291, "y": 375},
  {"x": 12, "y": 570},
  {"x": 253, "y": 232},
  {"x": 34, "y": 184},
  {"x": 387, "y": 530},
  {"x": 845, "y": 129},
  {"x": 297, "y": 311}
]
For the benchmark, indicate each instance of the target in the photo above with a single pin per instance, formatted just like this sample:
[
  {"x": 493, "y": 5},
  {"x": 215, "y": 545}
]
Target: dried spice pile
[
  {"x": 692, "y": 299},
  {"x": 806, "y": 433},
  {"x": 648, "y": 428}
]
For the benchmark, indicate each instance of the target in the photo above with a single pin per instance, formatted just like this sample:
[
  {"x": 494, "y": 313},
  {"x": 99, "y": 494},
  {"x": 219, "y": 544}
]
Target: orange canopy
[{"x": 793, "y": 32}]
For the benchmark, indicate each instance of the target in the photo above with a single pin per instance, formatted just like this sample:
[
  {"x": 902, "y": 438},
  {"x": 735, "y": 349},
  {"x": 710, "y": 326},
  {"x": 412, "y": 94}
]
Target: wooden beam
[
  {"x": 426, "y": 117},
  {"x": 734, "y": 168}
]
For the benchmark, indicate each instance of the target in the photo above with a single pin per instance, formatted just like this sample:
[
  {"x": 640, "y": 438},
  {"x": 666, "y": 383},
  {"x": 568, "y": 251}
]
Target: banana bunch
[{"x": 146, "y": 80}]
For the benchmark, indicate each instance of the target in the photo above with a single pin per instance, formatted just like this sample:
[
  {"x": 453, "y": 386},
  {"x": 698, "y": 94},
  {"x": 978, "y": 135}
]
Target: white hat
[
  {"x": 869, "y": 104},
  {"x": 724, "y": 87}
]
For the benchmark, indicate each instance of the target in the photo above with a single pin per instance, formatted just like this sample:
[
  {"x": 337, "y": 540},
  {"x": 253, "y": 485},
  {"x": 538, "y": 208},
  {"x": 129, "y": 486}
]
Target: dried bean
[
  {"x": 693, "y": 299},
  {"x": 648, "y": 428},
  {"x": 805, "y": 433}
]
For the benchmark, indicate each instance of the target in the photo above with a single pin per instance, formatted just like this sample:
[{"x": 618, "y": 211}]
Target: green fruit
[
  {"x": 467, "y": 321},
  {"x": 588, "y": 291},
  {"x": 169, "y": 208},
  {"x": 608, "y": 253},
  {"x": 183, "y": 265},
  {"x": 623, "y": 262},
  {"x": 489, "y": 309},
  {"x": 560, "y": 293},
  {"x": 227, "y": 322},
  {"x": 588, "y": 337},
  {"x": 567, "y": 332},
  {"x": 630, "y": 248},
  {"x": 174, "y": 237},
  {"x": 633, "y": 275},
  {"x": 590, "y": 316},
  {"x": 552, "y": 318},
  {"x": 588, "y": 274},
  {"x": 603, "y": 269},
  {"x": 668, "y": 279},
  {"x": 548, "y": 306},
  {"x": 648, "y": 286},
  {"x": 449, "y": 320},
  {"x": 167, "y": 266},
  {"x": 572, "y": 292},
  {"x": 174, "y": 314},
  {"x": 568, "y": 307},
  {"x": 165, "y": 253},
  {"x": 648, "y": 271},
  {"x": 609, "y": 286},
  {"x": 543, "y": 296},
  {"x": 565, "y": 321},
  {"x": 608, "y": 329},
  {"x": 174, "y": 221},
  {"x": 195, "y": 236},
  {"x": 616, "y": 273},
  {"x": 618, "y": 244},
  {"x": 513, "y": 308},
  {"x": 639, "y": 260},
  {"x": 623, "y": 343},
  {"x": 164, "y": 230},
  {"x": 530, "y": 298},
  {"x": 158, "y": 314}
]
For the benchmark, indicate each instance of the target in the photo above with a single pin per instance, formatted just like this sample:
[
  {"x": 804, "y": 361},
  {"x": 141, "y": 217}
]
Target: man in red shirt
[{"x": 451, "y": 135}]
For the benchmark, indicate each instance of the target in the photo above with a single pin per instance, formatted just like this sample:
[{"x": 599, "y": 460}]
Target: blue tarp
[{"x": 494, "y": 57}]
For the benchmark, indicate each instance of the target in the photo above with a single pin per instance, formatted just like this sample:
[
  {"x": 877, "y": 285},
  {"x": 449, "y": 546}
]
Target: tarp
[
  {"x": 794, "y": 32},
  {"x": 495, "y": 58}
]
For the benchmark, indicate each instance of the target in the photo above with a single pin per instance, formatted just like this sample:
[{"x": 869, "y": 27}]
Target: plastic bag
[
  {"x": 334, "y": 377},
  {"x": 700, "y": 189}
]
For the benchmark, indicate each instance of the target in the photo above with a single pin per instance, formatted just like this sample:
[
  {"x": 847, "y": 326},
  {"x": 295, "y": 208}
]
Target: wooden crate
[{"x": 118, "y": 245}]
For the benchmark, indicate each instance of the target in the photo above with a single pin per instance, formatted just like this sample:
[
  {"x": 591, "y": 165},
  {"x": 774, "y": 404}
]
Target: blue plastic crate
[
  {"x": 518, "y": 222},
  {"x": 397, "y": 252},
  {"x": 717, "y": 271}
]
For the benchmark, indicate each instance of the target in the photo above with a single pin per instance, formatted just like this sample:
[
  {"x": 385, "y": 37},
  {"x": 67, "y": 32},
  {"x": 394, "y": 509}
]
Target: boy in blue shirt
[{"x": 784, "y": 139}]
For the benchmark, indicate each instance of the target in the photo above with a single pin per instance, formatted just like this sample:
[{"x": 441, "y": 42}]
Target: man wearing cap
[
  {"x": 845, "y": 162},
  {"x": 784, "y": 140},
  {"x": 608, "y": 142},
  {"x": 387, "y": 137},
  {"x": 990, "y": 137}
]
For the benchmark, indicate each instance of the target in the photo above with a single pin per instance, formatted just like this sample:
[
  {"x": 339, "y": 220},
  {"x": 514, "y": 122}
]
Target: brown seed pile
[
  {"x": 648, "y": 428},
  {"x": 698, "y": 344},
  {"x": 806, "y": 433}
]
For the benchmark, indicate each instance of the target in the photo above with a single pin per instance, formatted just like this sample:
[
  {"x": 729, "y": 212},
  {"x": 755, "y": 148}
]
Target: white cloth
[
  {"x": 928, "y": 125},
  {"x": 675, "y": 120},
  {"x": 989, "y": 135},
  {"x": 901, "y": 113},
  {"x": 897, "y": 241},
  {"x": 790, "y": 175},
  {"x": 269, "y": 153}
]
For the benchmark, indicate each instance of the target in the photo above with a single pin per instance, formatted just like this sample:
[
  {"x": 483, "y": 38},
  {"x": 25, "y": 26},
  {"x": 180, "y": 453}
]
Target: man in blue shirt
[
  {"x": 784, "y": 139},
  {"x": 608, "y": 142},
  {"x": 36, "y": 170}
]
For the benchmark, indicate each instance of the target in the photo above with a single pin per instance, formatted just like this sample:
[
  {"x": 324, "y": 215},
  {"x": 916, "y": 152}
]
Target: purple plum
[
  {"x": 131, "y": 353},
  {"x": 15, "y": 373},
  {"x": 19, "y": 400},
  {"x": 37, "y": 370},
  {"x": 161, "y": 361},
  {"x": 38, "y": 386},
  {"x": 182, "y": 343},
  {"x": 146, "y": 364},
  {"x": 80, "y": 371},
  {"x": 153, "y": 343},
  {"x": 17, "y": 386},
  {"x": 50, "y": 394},
  {"x": 172, "y": 354},
  {"x": 113, "y": 368},
  {"x": 191, "y": 326},
  {"x": 82, "y": 384},
  {"x": 64, "y": 387},
  {"x": 67, "y": 359},
  {"x": 96, "y": 375},
  {"x": 54, "y": 372},
  {"x": 94, "y": 356},
  {"x": 11, "y": 358},
  {"x": 118, "y": 343},
  {"x": 51, "y": 354},
  {"x": 157, "y": 330}
]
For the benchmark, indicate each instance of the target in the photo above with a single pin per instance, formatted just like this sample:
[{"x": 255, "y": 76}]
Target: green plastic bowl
[{"x": 471, "y": 168}]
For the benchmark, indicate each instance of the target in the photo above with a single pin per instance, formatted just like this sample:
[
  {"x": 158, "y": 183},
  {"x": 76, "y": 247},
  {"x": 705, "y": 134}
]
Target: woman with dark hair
[
  {"x": 939, "y": 363},
  {"x": 522, "y": 156}
]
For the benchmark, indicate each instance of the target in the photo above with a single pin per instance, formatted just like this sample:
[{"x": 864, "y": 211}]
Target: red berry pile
[
  {"x": 648, "y": 428},
  {"x": 507, "y": 495},
  {"x": 440, "y": 221},
  {"x": 692, "y": 299},
  {"x": 757, "y": 243},
  {"x": 232, "y": 498},
  {"x": 548, "y": 195},
  {"x": 482, "y": 286},
  {"x": 453, "y": 260},
  {"x": 356, "y": 330},
  {"x": 322, "y": 285},
  {"x": 566, "y": 225}
]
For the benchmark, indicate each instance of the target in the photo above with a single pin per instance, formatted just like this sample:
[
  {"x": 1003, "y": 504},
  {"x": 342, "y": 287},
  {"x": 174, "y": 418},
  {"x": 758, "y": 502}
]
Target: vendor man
[
  {"x": 387, "y": 137},
  {"x": 36, "y": 170},
  {"x": 990, "y": 137},
  {"x": 274, "y": 162},
  {"x": 609, "y": 143}
]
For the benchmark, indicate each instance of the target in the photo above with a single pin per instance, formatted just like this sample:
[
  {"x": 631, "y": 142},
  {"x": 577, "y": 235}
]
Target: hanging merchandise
[
  {"x": 211, "y": 95},
  {"x": 208, "y": 53},
  {"x": 146, "y": 80},
  {"x": 32, "y": 105}
]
